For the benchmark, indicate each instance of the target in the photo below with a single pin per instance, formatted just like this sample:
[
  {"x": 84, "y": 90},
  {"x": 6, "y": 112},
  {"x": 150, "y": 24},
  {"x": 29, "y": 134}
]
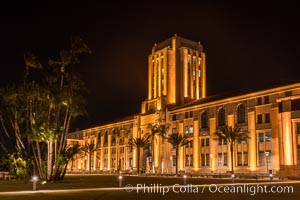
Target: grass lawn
[{"x": 77, "y": 182}]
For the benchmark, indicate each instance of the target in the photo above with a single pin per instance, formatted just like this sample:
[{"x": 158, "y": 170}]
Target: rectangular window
[
  {"x": 186, "y": 129},
  {"x": 225, "y": 159},
  {"x": 207, "y": 159},
  {"x": 173, "y": 117},
  {"x": 219, "y": 159},
  {"x": 202, "y": 160},
  {"x": 224, "y": 142},
  {"x": 239, "y": 159},
  {"x": 268, "y": 137},
  {"x": 280, "y": 107},
  {"x": 174, "y": 130},
  {"x": 191, "y": 160},
  {"x": 202, "y": 142},
  {"x": 295, "y": 104},
  {"x": 174, "y": 160},
  {"x": 219, "y": 141},
  {"x": 191, "y": 131},
  {"x": 187, "y": 160},
  {"x": 191, "y": 144},
  {"x": 261, "y": 137},
  {"x": 130, "y": 162},
  {"x": 207, "y": 141},
  {"x": 259, "y": 101},
  {"x": 259, "y": 119},
  {"x": 267, "y": 118},
  {"x": 261, "y": 158},
  {"x": 298, "y": 127},
  {"x": 191, "y": 114},
  {"x": 266, "y": 99},
  {"x": 245, "y": 158},
  {"x": 186, "y": 115}
]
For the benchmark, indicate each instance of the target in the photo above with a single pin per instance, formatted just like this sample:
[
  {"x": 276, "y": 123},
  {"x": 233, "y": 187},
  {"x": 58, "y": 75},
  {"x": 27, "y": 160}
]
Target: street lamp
[
  {"x": 271, "y": 177},
  {"x": 232, "y": 176},
  {"x": 184, "y": 178},
  {"x": 34, "y": 180},
  {"x": 120, "y": 180},
  {"x": 267, "y": 155}
]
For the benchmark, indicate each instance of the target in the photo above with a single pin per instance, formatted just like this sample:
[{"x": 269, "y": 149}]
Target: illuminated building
[{"x": 177, "y": 96}]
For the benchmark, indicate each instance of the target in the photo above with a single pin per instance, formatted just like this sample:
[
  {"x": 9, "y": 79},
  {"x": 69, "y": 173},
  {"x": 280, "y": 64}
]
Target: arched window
[
  {"x": 113, "y": 141},
  {"x": 221, "y": 117},
  {"x": 105, "y": 138},
  {"x": 204, "y": 120},
  {"x": 241, "y": 114},
  {"x": 99, "y": 139},
  {"x": 121, "y": 141}
]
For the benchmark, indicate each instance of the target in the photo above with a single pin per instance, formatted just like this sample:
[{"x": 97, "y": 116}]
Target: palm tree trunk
[
  {"x": 176, "y": 159},
  {"x": 153, "y": 166},
  {"x": 138, "y": 160},
  {"x": 231, "y": 156},
  {"x": 90, "y": 162}
]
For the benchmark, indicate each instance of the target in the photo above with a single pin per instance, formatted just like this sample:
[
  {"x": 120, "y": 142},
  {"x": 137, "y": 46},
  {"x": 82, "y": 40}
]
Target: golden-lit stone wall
[{"x": 177, "y": 96}]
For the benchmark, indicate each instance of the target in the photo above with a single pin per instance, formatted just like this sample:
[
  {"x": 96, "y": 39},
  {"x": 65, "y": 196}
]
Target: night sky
[{"x": 248, "y": 43}]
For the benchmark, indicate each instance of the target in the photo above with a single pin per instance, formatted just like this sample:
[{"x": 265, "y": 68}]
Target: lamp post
[
  {"x": 120, "y": 180},
  {"x": 267, "y": 156},
  {"x": 184, "y": 179},
  {"x": 34, "y": 180},
  {"x": 232, "y": 176},
  {"x": 271, "y": 177}
]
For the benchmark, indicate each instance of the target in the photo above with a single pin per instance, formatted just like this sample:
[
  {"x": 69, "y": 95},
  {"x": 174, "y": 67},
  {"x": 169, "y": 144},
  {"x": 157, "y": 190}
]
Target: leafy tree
[
  {"x": 177, "y": 140},
  {"x": 232, "y": 135},
  {"x": 138, "y": 143},
  {"x": 36, "y": 115}
]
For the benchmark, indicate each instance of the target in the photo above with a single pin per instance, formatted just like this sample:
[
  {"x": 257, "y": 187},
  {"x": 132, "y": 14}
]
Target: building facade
[{"x": 177, "y": 97}]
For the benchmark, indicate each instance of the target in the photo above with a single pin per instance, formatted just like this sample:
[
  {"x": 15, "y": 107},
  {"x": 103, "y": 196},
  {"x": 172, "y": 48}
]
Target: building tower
[{"x": 176, "y": 74}]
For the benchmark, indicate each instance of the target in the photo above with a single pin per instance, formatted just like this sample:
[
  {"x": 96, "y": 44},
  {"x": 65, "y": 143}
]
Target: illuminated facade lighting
[{"x": 177, "y": 96}]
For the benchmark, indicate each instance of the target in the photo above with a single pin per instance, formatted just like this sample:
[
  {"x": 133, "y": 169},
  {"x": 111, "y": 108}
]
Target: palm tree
[
  {"x": 156, "y": 129},
  {"x": 138, "y": 143},
  {"x": 177, "y": 140},
  {"x": 69, "y": 153},
  {"x": 89, "y": 148},
  {"x": 232, "y": 135}
]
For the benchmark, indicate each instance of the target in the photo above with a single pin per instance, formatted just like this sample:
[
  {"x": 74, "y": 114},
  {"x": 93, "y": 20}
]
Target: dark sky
[{"x": 247, "y": 43}]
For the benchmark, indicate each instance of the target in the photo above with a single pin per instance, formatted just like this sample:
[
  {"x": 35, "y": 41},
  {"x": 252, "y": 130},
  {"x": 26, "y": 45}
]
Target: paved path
[{"x": 130, "y": 188}]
